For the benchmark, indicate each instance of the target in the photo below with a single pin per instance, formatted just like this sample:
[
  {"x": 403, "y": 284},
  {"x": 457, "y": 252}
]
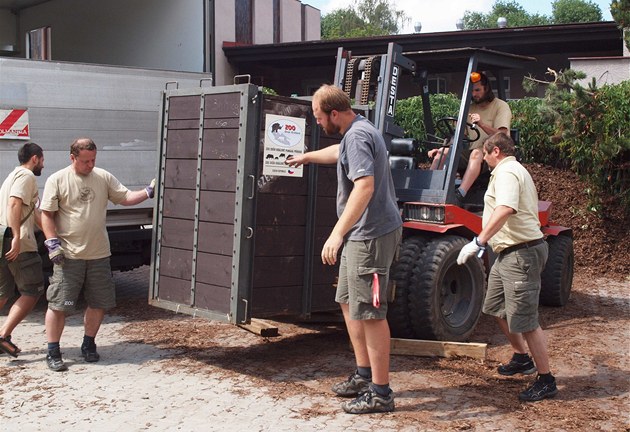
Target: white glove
[{"x": 470, "y": 249}]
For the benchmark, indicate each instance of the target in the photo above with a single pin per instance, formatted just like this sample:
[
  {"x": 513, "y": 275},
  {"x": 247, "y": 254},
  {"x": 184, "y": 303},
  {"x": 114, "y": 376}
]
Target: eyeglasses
[{"x": 475, "y": 77}]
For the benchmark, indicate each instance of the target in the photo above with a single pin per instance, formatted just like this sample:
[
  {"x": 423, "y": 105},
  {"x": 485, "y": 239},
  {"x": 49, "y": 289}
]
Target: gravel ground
[{"x": 161, "y": 372}]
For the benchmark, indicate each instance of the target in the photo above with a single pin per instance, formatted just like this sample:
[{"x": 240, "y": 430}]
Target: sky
[{"x": 437, "y": 16}]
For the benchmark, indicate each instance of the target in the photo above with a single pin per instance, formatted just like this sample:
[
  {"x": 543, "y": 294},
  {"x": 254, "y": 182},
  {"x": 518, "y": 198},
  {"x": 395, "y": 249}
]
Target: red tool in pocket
[{"x": 376, "y": 291}]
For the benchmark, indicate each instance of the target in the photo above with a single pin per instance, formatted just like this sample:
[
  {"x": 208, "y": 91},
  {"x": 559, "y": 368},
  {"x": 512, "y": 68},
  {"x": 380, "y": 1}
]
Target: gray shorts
[
  {"x": 514, "y": 287},
  {"x": 94, "y": 277},
  {"x": 25, "y": 272},
  {"x": 359, "y": 261}
]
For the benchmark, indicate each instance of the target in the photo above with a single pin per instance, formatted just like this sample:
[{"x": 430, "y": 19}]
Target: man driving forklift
[{"x": 489, "y": 115}]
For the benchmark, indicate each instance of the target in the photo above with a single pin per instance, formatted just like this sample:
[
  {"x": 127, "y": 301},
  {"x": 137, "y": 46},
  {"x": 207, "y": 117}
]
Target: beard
[
  {"x": 332, "y": 129},
  {"x": 37, "y": 171},
  {"x": 485, "y": 98}
]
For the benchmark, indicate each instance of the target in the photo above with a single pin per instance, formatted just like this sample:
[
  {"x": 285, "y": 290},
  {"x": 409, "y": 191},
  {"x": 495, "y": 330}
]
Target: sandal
[{"x": 8, "y": 347}]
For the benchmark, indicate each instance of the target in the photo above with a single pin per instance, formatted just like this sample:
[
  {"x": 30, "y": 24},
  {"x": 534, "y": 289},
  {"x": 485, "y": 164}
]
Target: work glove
[
  {"x": 55, "y": 251},
  {"x": 470, "y": 249},
  {"x": 150, "y": 190}
]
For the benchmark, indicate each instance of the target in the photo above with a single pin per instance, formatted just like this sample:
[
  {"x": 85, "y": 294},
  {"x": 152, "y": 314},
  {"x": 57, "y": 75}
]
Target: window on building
[
  {"x": 495, "y": 86},
  {"x": 38, "y": 44},
  {"x": 437, "y": 85}
]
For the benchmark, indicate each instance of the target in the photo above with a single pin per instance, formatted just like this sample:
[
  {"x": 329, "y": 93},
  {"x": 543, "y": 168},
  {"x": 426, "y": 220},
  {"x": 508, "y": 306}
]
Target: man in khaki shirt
[
  {"x": 74, "y": 207},
  {"x": 511, "y": 227},
  {"x": 21, "y": 266}
]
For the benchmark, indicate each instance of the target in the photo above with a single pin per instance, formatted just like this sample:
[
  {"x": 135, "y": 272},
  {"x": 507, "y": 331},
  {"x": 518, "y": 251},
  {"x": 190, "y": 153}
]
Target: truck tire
[
  {"x": 401, "y": 274},
  {"x": 445, "y": 299},
  {"x": 557, "y": 277}
]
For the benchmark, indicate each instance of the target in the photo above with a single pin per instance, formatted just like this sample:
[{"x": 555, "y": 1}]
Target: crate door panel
[
  {"x": 176, "y": 202},
  {"x": 217, "y": 197}
]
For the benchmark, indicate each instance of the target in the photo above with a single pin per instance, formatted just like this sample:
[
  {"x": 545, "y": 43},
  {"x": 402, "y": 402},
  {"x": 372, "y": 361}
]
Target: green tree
[
  {"x": 620, "y": 11},
  {"x": 515, "y": 14},
  {"x": 364, "y": 18},
  {"x": 575, "y": 11},
  {"x": 564, "y": 12}
]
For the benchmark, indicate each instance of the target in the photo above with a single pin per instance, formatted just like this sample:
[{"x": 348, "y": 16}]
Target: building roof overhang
[{"x": 573, "y": 40}]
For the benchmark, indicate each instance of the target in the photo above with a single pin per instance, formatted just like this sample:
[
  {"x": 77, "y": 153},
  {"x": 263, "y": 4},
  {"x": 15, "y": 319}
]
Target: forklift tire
[
  {"x": 401, "y": 274},
  {"x": 557, "y": 277},
  {"x": 445, "y": 298}
]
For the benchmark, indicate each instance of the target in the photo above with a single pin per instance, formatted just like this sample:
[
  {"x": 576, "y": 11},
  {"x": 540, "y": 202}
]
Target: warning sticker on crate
[
  {"x": 284, "y": 137},
  {"x": 14, "y": 124}
]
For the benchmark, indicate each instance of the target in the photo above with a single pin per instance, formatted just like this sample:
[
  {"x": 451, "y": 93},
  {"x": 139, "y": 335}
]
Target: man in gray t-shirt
[{"x": 369, "y": 229}]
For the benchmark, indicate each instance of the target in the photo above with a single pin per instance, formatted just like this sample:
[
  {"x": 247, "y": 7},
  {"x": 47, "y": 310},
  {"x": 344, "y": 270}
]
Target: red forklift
[{"x": 434, "y": 297}]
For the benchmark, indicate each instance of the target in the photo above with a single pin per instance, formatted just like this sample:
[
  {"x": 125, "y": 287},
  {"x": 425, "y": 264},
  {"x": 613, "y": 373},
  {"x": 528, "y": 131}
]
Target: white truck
[{"x": 118, "y": 107}]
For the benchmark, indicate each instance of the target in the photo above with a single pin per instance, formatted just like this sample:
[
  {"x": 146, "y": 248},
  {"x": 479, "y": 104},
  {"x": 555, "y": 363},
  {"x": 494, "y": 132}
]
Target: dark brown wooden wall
[{"x": 282, "y": 231}]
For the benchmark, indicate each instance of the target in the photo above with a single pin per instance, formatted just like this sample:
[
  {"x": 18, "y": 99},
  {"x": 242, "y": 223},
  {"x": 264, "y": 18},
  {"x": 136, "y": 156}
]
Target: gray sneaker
[
  {"x": 370, "y": 402},
  {"x": 353, "y": 386},
  {"x": 55, "y": 362}
]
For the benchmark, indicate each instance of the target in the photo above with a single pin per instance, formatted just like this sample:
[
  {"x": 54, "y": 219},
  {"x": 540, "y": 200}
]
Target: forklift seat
[{"x": 401, "y": 153}]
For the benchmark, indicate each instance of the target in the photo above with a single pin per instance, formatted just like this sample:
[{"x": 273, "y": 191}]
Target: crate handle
[{"x": 239, "y": 77}]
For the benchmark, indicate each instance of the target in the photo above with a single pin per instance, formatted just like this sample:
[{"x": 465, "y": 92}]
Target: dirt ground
[{"x": 164, "y": 371}]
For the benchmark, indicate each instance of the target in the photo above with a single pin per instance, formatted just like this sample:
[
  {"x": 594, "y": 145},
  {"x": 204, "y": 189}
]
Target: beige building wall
[
  {"x": 312, "y": 23},
  {"x": 263, "y": 22},
  {"x": 290, "y": 21},
  {"x": 225, "y": 31},
  {"x": 605, "y": 70}
]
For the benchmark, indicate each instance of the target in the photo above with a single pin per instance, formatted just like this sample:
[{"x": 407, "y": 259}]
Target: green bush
[
  {"x": 586, "y": 129},
  {"x": 410, "y": 115},
  {"x": 536, "y": 135}
]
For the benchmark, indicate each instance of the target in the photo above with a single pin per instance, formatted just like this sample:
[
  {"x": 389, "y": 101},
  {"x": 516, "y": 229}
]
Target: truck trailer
[{"x": 53, "y": 103}]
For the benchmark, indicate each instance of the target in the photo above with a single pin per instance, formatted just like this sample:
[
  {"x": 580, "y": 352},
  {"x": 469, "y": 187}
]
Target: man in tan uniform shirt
[
  {"x": 511, "y": 227},
  {"x": 74, "y": 207},
  {"x": 22, "y": 265}
]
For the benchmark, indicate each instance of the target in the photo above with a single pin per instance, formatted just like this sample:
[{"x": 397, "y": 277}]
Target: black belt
[{"x": 523, "y": 245}]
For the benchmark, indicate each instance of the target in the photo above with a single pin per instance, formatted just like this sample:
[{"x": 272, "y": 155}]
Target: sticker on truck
[{"x": 14, "y": 124}]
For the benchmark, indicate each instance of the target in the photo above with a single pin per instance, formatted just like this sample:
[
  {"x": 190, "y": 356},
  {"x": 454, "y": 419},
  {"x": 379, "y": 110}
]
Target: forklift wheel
[
  {"x": 401, "y": 273},
  {"x": 557, "y": 277},
  {"x": 445, "y": 298}
]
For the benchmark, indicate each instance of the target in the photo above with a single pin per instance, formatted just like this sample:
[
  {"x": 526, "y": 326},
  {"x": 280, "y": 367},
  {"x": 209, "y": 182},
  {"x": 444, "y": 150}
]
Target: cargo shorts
[
  {"x": 360, "y": 260},
  {"x": 94, "y": 277},
  {"x": 25, "y": 272},
  {"x": 514, "y": 287}
]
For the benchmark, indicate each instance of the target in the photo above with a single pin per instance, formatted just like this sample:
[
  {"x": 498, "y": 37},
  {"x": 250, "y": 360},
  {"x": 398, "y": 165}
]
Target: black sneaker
[
  {"x": 353, "y": 386},
  {"x": 539, "y": 391},
  {"x": 515, "y": 366},
  {"x": 55, "y": 362},
  {"x": 89, "y": 354},
  {"x": 370, "y": 402}
]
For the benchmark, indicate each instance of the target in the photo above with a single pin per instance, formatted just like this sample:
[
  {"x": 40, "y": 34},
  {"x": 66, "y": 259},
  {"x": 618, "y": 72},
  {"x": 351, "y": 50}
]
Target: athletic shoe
[
  {"x": 353, "y": 386},
  {"x": 89, "y": 354},
  {"x": 539, "y": 390},
  {"x": 370, "y": 402},
  {"x": 514, "y": 367},
  {"x": 55, "y": 362}
]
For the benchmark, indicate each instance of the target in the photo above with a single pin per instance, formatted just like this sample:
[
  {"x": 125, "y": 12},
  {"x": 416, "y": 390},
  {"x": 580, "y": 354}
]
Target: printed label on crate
[
  {"x": 14, "y": 124},
  {"x": 284, "y": 137}
]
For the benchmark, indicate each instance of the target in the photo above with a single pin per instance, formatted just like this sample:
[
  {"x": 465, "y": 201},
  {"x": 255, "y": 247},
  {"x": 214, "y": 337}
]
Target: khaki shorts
[
  {"x": 25, "y": 272},
  {"x": 94, "y": 277},
  {"x": 514, "y": 287},
  {"x": 359, "y": 261}
]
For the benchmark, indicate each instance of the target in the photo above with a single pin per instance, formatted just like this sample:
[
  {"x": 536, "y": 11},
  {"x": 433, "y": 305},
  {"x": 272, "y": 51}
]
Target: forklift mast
[{"x": 372, "y": 81}]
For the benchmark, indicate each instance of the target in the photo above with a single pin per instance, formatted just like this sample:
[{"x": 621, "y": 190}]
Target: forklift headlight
[{"x": 423, "y": 213}]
